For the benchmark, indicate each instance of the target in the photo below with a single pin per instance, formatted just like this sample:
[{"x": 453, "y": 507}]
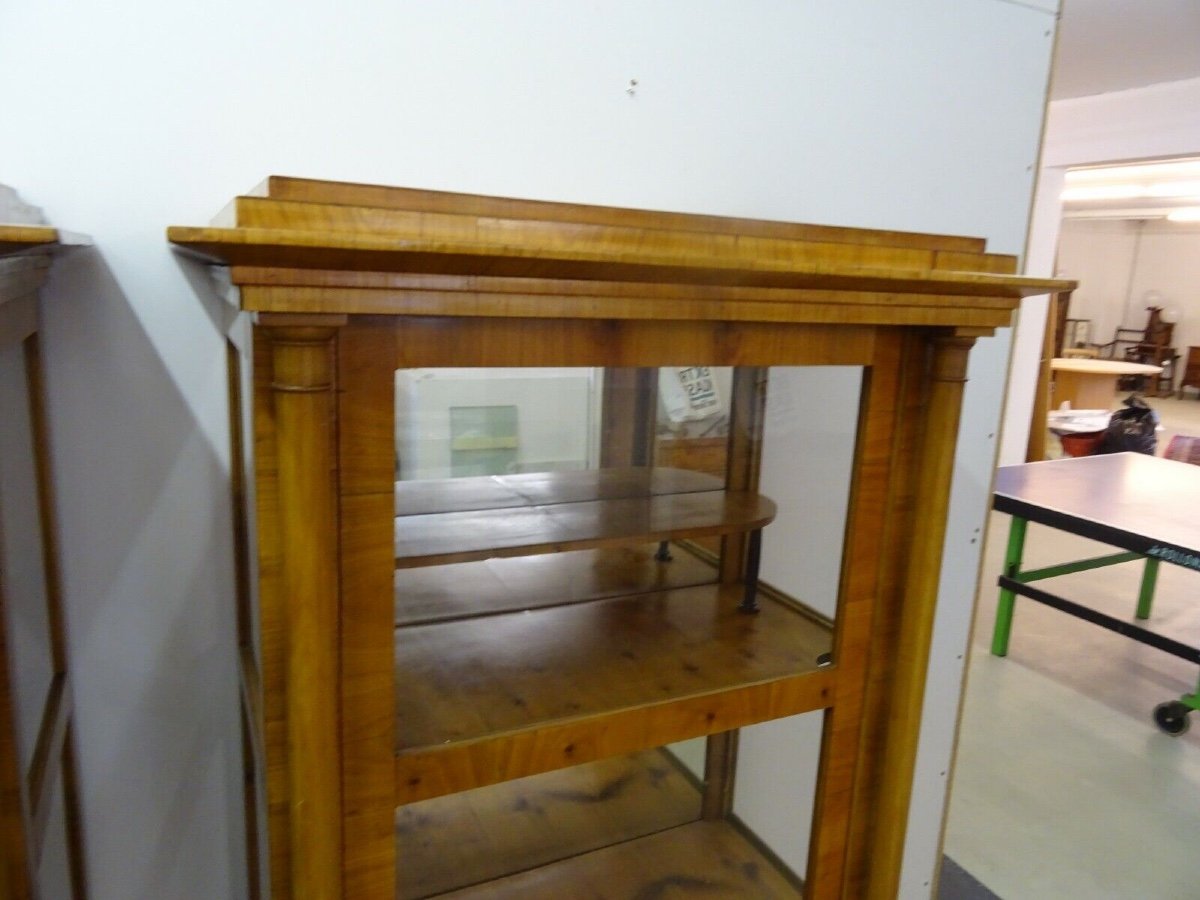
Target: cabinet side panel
[
  {"x": 366, "y": 430},
  {"x": 303, "y": 393},
  {"x": 904, "y": 442},
  {"x": 66, "y": 759},
  {"x": 947, "y": 371},
  {"x": 14, "y": 863},
  {"x": 270, "y": 614},
  {"x": 249, "y": 671},
  {"x": 875, "y": 463}
]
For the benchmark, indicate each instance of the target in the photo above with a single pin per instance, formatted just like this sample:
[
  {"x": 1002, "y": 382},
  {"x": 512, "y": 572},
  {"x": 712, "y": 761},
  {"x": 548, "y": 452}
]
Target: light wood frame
[{"x": 349, "y": 282}]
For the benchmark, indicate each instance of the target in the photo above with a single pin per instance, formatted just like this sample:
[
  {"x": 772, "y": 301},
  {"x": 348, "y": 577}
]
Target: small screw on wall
[{"x": 632, "y": 89}]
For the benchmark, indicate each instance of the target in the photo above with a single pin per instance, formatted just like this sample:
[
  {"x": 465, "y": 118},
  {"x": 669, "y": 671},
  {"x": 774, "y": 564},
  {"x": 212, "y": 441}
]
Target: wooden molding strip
[
  {"x": 297, "y": 248},
  {"x": 342, "y": 193}
]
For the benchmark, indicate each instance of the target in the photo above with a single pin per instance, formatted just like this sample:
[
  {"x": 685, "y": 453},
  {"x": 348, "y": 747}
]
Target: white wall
[
  {"x": 121, "y": 118},
  {"x": 1117, "y": 262},
  {"x": 1154, "y": 122}
]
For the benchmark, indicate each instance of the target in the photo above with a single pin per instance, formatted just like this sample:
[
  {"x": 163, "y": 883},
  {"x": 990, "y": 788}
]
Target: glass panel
[
  {"x": 506, "y": 421},
  {"x": 474, "y": 444},
  {"x": 808, "y": 454},
  {"x": 574, "y": 544}
]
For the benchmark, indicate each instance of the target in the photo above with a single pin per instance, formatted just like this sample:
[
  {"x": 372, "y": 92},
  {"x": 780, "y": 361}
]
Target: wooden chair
[{"x": 1151, "y": 346}]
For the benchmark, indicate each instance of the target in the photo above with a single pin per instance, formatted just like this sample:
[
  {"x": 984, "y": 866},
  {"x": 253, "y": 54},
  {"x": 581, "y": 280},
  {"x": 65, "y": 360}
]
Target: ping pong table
[{"x": 1144, "y": 506}]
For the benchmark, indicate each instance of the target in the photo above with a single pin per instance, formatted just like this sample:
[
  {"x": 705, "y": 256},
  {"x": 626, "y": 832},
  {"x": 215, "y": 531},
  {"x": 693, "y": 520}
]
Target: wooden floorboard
[{"x": 476, "y": 836}]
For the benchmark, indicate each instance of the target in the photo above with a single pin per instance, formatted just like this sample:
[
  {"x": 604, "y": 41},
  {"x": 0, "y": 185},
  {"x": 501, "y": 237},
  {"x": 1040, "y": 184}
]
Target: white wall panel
[{"x": 1118, "y": 262}]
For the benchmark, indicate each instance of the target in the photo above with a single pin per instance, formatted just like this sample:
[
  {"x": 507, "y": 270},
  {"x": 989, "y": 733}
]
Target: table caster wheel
[{"x": 1172, "y": 717}]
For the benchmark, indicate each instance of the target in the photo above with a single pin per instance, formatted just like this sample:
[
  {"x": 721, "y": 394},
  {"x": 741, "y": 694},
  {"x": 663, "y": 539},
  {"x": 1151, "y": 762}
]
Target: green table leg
[
  {"x": 1146, "y": 596},
  {"x": 1192, "y": 700},
  {"x": 1012, "y": 568}
]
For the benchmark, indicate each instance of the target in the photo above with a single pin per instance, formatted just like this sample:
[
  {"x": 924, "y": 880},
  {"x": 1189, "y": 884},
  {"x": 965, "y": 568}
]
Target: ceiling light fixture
[
  {"x": 1102, "y": 192},
  {"x": 1173, "y": 189},
  {"x": 1187, "y": 214},
  {"x": 1160, "y": 190},
  {"x": 1179, "y": 168}
]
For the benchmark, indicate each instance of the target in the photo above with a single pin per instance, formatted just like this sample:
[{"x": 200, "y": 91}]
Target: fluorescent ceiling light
[
  {"x": 1162, "y": 185},
  {"x": 1187, "y": 214},
  {"x": 1173, "y": 189},
  {"x": 1128, "y": 191},
  {"x": 1176, "y": 169},
  {"x": 1103, "y": 192}
]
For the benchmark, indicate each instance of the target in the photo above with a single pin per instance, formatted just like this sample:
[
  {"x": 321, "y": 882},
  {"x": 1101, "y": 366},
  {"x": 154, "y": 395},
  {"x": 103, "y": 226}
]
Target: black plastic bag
[{"x": 1132, "y": 428}]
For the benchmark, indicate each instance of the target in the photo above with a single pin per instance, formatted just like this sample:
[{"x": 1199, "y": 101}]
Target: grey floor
[{"x": 1063, "y": 786}]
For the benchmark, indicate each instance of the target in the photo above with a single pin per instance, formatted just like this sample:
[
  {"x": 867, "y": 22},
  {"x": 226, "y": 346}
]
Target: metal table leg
[
  {"x": 1146, "y": 595},
  {"x": 1012, "y": 568},
  {"x": 749, "y": 602}
]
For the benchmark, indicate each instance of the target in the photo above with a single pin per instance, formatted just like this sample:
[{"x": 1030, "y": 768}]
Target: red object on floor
[{"x": 1082, "y": 444}]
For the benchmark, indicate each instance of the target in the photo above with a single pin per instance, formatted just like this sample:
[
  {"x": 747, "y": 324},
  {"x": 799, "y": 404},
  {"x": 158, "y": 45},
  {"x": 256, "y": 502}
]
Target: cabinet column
[
  {"x": 303, "y": 400},
  {"x": 935, "y": 465}
]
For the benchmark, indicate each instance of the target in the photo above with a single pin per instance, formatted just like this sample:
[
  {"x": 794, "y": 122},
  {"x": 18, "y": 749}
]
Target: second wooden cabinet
[{"x": 1191, "y": 371}]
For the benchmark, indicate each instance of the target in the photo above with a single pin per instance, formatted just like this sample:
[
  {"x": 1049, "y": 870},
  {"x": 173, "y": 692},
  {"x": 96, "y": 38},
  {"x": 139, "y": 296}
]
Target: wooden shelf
[
  {"x": 442, "y": 538},
  {"x": 486, "y": 587},
  {"x": 462, "y": 519},
  {"x": 705, "y": 859},
  {"x": 486, "y": 700},
  {"x": 475, "y": 836}
]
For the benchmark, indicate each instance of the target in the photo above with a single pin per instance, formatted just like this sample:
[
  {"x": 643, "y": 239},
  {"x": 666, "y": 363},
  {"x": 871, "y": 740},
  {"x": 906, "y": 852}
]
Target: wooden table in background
[{"x": 1091, "y": 383}]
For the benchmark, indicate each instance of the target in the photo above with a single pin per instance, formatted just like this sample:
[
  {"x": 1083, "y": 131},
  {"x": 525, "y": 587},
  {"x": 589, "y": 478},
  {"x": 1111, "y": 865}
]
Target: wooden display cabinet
[
  {"x": 41, "y": 846},
  {"x": 398, "y": 686},
  {"x": 1191, "y": 371}
]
